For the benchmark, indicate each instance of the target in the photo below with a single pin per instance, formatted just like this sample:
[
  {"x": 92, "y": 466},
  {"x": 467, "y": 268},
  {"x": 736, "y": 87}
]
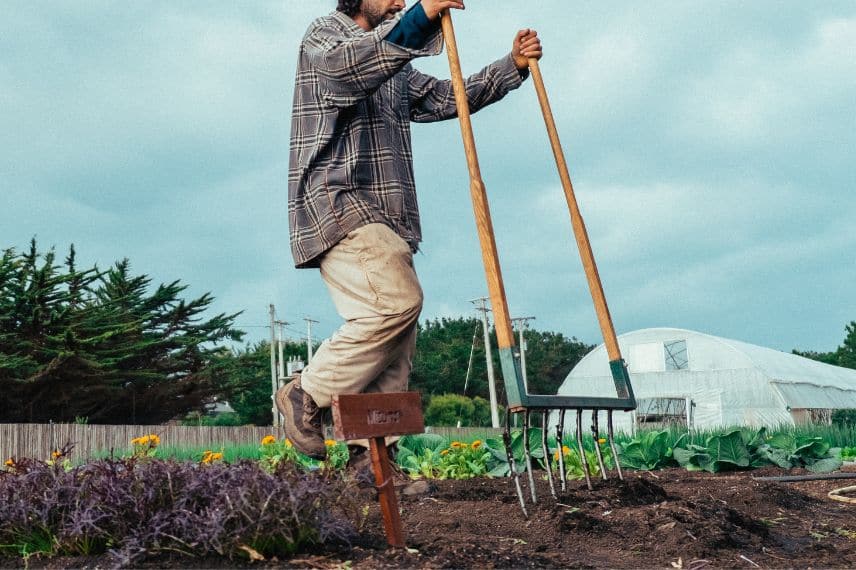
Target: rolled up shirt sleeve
[{"x": 433, "y": 99}]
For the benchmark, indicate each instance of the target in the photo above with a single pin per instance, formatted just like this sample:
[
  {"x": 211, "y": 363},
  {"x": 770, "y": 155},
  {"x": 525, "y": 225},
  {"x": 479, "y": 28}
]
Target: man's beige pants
[{"x": 373, "y": 284}]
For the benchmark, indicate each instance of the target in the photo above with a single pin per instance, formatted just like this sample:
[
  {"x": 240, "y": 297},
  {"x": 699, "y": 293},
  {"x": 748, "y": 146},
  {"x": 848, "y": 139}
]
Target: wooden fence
[{"x": 39, "y": 440}]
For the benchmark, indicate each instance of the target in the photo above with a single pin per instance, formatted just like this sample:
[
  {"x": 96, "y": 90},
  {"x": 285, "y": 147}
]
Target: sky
[{"x": 712, "y": 148}]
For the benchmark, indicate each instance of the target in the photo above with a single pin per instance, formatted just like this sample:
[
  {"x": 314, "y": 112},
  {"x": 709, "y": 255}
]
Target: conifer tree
[{"x": 97, "y": 344}]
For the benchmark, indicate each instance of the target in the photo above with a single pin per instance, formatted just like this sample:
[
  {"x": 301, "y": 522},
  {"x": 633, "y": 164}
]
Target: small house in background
[{"x": 692, "y": 379}]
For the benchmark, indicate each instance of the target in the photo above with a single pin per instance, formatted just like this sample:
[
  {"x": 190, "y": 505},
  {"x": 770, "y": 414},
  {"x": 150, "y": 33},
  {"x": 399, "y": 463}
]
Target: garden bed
[{"x": 668, "y": 519}]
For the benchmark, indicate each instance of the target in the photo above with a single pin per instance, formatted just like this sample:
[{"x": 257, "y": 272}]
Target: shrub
[
  {"x": 844, "y": 418},
  {"x": 134, "y": 508},
  {"x": 449, "y": 409}
]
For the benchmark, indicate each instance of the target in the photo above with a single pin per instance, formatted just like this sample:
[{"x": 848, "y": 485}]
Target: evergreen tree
[
  {"x": 96, "y": 344},
  {"x": 844, "y": 355}
]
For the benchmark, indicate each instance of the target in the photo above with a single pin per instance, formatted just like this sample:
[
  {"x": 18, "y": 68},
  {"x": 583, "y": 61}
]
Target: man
[{"x": 351, "y": 195}]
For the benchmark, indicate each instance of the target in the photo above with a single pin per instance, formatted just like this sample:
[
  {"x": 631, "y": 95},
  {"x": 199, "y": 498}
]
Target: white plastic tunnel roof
[{"x": 799, "y": 381}]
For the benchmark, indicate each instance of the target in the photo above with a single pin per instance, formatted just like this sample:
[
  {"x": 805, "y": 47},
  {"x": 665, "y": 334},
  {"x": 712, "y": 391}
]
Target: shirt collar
[{"x": 348, "y": 22}]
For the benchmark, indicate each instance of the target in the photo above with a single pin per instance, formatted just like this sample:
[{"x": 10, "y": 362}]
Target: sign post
[{"x": 376, "y": 416}]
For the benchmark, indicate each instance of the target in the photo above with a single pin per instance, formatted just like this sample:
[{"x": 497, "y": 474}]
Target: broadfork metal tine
[
  {"x": 560, "y": 428},
  {"x": 546, "y": 452},
  {"x": 582, "y": 449},
  {"x": 506, "y": 438},
  {"x": 527, "y": 453},
  {"x": 595, "y": 432},
  {"x": 611, "y": 437}
]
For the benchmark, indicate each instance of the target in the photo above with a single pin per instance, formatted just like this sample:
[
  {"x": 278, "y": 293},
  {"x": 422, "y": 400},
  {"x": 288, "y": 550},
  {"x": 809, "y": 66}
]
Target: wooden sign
[
  {"x": 375, "y": 416},
  {"x": 358, "y": 416}
]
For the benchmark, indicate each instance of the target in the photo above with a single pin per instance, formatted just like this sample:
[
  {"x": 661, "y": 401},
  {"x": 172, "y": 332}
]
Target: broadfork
[{"x": 519, "y": 399}]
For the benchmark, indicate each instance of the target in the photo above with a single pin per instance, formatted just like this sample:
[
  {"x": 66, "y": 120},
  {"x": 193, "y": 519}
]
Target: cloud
[{"x": 710, "y": 146}]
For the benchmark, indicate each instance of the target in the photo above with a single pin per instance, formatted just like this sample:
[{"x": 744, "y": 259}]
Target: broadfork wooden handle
[
  {"x": 580, "y": 232},
  {"x": 484, "y": 225}
]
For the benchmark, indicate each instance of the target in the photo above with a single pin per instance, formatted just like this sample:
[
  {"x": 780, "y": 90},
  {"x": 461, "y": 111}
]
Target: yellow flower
[
  {"x": 10, "y": 462},
  {"x": 456, "y": 444},
  {"x": 565, "y": 450},
  {"x": 56, "y": 454},
  {"x": 476, "y": 444},
  {"x": 144, "y": 440},
  {"x": 556, "y": 455},
  {"x": 154, "y": 439},
  {"x": 209, "y": 456},
  {"x": 444, "y": 452},
  {"x": 268, "y": 439},
  {"x": 601, "y": 440},
  {"x": 288, "y": 443},
  {"x": 330, "y": 442}
]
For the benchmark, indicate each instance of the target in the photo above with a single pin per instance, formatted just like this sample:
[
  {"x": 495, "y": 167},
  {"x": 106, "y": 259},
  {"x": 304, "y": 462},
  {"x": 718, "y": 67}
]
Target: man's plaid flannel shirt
[{"x": 351, "y": 162}]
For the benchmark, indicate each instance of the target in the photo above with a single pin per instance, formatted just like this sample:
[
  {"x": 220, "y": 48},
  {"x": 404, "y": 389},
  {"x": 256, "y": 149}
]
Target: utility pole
[
  {"x": 491, "y": 381},
  {"x": 524, "y": 324},
  {"x": 308, "y": 338},
  {"x": 280, "y": 345},
  {"x": 273, "y": 364}
]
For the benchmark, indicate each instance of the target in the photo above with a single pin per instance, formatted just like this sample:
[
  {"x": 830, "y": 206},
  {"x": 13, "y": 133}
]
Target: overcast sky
[{"x": 712, "y": 147}]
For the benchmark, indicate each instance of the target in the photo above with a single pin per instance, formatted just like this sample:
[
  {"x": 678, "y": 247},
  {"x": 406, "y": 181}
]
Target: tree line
[{"x": 107, "y": 346}]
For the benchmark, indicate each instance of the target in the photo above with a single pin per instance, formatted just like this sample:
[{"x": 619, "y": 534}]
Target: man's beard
[{"x": 375, "y": 17}]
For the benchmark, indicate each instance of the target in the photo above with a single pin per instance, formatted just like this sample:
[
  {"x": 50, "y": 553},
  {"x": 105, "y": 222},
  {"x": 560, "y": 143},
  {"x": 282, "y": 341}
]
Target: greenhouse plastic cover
[{"x": 729, "y": 382}]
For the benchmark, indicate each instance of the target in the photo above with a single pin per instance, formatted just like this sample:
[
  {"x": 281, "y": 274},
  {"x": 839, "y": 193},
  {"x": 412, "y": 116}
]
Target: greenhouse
[{"x": 688, "y": 378}]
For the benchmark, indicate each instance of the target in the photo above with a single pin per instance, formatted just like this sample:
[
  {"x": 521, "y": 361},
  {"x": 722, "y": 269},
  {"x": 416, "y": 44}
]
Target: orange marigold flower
[
  {"x": 602, "y": 440},
  {"x": 476, "y": 444},
  {"x": 456, "y": 444},
  {"x": 330, "y": 442},
  {"x": 444, "y": 452},
  {"x": 56, "y": 454},
  {"x": 268, "y": 439},
  {"x": 565, "y": 450},
  {"x": 154, "y": 439},
  {"x": 288, "y": 443},
  {"x": 556, "y": 455},
  {"x": 10, "y": 462}
]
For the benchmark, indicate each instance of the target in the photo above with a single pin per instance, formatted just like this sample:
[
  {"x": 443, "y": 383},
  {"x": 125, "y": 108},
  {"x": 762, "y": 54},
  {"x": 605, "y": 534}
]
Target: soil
[{"x": 666, "y": 519}]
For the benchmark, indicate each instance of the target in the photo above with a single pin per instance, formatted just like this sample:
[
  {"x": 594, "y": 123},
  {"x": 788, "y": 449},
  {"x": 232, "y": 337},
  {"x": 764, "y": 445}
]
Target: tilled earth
[{"x": 667, "y": 519}]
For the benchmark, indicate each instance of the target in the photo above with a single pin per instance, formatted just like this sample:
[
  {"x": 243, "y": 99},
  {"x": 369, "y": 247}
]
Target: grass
[{"x": 232, "y": 452}]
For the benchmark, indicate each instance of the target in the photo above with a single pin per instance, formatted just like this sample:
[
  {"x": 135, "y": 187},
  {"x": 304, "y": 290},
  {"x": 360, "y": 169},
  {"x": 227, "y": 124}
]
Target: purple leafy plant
[{"x": 134, "y": 508}]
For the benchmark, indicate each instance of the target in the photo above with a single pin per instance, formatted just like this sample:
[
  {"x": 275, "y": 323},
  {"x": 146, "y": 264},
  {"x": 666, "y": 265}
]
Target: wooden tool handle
[
  {"x": 484, "y": 225},
  {"x": 580, "y": 232}
]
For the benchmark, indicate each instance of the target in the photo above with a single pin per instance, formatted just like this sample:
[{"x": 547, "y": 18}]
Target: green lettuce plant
[
  {"x": 648, "y": 451},
  {"x": 419, "y": 454},
  {"x": 748, "y": 449},
  {"x": 499, "y": 466},
  {"x": 789, "y": 451}
]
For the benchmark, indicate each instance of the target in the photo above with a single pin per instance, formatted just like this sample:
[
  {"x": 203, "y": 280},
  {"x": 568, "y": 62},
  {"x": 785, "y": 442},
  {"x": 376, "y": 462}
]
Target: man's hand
[
  {"x": 434, "y": 7},
  {"x": 526, "y": 45}
]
